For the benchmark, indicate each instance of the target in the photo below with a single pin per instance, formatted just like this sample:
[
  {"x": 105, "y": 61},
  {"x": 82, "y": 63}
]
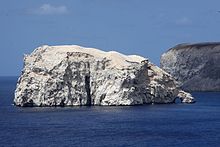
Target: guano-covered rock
[{"x": 74, "y": 75}]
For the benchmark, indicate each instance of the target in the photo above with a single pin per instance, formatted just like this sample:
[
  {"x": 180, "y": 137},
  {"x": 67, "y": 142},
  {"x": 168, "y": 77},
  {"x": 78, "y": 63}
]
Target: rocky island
[
  {"x": 195, "y": 66},
  {"x": 75, "y": 76}
]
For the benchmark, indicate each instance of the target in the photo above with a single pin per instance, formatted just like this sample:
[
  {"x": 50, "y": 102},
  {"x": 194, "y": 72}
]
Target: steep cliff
[
  {"x": 195, "y": 66},
  {"x": 74, "y": 75}
]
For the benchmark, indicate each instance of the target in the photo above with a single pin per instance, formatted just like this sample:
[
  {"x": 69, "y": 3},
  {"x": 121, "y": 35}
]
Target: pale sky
[{"x": 144, "y": 27}]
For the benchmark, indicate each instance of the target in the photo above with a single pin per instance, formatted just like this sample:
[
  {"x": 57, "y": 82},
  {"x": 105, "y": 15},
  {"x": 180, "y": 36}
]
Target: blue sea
[{"x": 182, "y": 125}]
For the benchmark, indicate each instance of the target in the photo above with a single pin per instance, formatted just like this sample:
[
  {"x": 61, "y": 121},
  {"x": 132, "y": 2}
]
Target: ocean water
[{"x": 189, "y": 125}]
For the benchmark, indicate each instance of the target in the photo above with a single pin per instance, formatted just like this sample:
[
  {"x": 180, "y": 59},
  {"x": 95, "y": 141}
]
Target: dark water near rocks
[{"x": 150, "y": 125}]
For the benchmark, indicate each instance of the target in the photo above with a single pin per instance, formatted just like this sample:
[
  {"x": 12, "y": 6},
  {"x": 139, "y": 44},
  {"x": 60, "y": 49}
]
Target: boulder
[
  {"x": 76, "y": 76},
  {"x": 195, "y": 66}
]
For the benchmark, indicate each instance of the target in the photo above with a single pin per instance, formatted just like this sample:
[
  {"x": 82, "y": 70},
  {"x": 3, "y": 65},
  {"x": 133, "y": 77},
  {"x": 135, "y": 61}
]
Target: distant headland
[{"x": 195, "y": 66}]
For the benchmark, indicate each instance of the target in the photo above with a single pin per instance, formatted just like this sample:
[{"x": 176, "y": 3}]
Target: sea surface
[{"x": 182, "y": 125}]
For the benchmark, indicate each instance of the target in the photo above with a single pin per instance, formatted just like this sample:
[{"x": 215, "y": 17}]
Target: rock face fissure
[
  {"x": 195, "y": 66},
  {"x": 87, "y": 86},
  {"x": 73, "y": 75}
]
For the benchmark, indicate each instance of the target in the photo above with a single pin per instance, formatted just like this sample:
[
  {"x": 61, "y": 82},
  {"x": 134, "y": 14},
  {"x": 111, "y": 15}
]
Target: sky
[{"x": 143, "y": 27}]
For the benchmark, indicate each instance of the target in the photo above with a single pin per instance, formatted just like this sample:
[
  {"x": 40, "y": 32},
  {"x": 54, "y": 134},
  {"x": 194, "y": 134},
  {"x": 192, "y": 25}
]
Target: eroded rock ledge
[{"x": 74, "y": 75}]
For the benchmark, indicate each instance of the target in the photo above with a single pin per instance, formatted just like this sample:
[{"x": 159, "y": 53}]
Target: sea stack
[
  {"x": 75, "y": 76},
  {"x": 195, "y": 66}
]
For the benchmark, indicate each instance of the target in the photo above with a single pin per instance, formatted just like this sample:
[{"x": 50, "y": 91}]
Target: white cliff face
[
  {"x": 74, "y": 75},
  {"x": 195, "y": 66}
]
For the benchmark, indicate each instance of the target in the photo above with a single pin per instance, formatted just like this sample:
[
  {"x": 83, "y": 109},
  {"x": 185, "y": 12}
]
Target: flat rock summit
[
  {"x": 75, "y": 76},
  {"x": 195, "y": 66}
]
